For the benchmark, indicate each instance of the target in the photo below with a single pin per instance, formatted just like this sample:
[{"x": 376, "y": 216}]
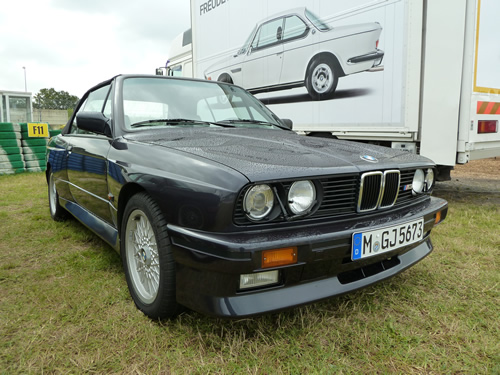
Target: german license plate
[{"x": 367, "y": 244}]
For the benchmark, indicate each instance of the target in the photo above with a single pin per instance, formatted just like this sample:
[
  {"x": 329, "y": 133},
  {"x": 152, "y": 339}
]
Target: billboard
[{"x": 331, "y": 63}]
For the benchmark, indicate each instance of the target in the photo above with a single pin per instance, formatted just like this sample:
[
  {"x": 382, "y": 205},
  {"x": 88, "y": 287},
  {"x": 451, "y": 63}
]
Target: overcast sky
[{"x": 72, "y": 45}]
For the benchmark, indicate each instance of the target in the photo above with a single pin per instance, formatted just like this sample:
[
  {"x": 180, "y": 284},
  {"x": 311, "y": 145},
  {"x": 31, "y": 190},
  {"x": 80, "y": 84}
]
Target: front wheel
[
  {"x": 57, "y": 212},
  {"x": 147, "y": 258},
  {"x": 321, "y": 79}
]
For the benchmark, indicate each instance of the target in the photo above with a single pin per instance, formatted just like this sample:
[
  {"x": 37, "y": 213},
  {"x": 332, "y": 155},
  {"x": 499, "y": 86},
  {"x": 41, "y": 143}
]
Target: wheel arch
[
  {"x": 328, "y": 56},
  {"x": 225, "y": 77},
  {"x": 126, "y": 193},
  {"x": 322, "y": 135},
  {"x": 47, "y": 171}
]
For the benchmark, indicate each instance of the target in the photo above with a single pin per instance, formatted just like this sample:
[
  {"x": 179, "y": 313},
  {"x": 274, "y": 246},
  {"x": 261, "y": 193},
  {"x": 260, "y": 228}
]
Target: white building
[{"x": 15, "y": 106}]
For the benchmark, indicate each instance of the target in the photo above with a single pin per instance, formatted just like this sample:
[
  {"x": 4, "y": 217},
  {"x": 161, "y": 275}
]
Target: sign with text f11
[{"x": 38, "y": 130}]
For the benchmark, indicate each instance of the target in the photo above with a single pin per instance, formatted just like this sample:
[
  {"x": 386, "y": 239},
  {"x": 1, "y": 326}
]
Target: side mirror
[
  {"x": 287, "y": 122},
  {"x": 241, "y": 51},
  {"x": 94, "y": 122}
]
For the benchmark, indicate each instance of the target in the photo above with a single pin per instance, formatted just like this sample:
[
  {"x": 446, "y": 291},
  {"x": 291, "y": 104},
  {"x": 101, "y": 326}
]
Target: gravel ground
[{"x": 480, "y": 177}]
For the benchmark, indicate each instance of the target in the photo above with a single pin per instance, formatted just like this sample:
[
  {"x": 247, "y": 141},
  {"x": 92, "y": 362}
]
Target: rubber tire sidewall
[
  {"x": 309, "y": 86},
  {"x": 59, "y": 214},
  {"x": 225, "y": 78},
  {"x": 165, "y": 304}
]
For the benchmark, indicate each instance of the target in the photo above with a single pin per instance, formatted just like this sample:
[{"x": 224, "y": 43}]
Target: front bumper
[{"x": 209, "y": 265}]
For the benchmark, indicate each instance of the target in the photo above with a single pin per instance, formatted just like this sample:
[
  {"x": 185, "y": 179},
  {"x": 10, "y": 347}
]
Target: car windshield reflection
[{"x": 149, "y": 102}]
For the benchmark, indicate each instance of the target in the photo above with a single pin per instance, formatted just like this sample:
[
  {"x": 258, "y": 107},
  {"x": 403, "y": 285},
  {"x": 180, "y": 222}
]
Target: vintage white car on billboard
[{"x": 295, "y": 48}]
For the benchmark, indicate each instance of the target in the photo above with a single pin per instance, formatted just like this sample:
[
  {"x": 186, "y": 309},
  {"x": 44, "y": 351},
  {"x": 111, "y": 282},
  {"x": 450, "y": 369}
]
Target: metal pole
[{"x": 25, "y": 85}]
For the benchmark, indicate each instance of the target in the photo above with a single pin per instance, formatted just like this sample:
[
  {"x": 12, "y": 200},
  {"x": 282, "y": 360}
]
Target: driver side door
[
  {"x": 87, "y": 158},
  {"x": 264, "y": 59}
]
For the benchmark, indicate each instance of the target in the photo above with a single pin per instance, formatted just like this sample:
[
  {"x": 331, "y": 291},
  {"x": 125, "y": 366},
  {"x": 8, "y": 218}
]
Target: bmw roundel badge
[{"x": 369, "y": 158}]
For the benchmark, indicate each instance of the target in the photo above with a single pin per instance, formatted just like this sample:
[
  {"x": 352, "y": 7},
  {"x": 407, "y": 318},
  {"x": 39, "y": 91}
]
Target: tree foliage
[{"x": 52, "y": 99}]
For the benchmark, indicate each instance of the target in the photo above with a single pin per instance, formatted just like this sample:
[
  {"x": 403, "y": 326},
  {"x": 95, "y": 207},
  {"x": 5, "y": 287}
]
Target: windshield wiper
[
  {"x": 170, "y": 121},
  {"x": 257, "y": 122},
  {"x": 177, "y": 121}
]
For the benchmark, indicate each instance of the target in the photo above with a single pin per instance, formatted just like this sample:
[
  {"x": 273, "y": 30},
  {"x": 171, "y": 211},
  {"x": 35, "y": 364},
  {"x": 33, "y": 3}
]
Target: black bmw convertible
[{"x": 216, "y": 205}]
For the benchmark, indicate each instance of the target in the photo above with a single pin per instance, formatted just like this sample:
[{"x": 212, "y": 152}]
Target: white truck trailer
[{"x": 419, "y": 75}]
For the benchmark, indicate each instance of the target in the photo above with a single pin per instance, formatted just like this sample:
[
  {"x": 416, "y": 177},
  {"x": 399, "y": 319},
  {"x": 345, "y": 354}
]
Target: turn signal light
[
  {"x": 487, "y": 126},
  {"x": 438, "y": 217},
  {"x": 279, "y": 257}
]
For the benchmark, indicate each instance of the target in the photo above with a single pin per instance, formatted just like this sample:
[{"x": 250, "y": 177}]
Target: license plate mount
[{"x": 379, "y": 241}]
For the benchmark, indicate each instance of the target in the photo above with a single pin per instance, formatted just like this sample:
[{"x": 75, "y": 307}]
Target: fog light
[{"x": 255, "y": 280}]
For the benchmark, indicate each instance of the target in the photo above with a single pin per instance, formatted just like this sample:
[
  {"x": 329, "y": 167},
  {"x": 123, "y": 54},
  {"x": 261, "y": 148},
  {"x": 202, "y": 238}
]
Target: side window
[
  {"x": 294, "y": 28},
  {"x": 269, "y": 33},
  {"x": 97, "y": 101}
]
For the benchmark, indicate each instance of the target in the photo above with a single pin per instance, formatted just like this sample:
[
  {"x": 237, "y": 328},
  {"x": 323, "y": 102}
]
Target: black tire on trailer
[{"x": 147, "y": 258}]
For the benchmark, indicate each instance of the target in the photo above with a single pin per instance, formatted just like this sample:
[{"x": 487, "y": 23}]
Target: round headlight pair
[
  {"x": 259, "y": 199},
  {"x": 423, "y": 181}
]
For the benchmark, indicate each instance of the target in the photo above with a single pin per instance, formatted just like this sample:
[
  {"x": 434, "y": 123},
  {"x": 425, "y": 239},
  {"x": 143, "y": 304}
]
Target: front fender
[{"x": 191, "y": 191}]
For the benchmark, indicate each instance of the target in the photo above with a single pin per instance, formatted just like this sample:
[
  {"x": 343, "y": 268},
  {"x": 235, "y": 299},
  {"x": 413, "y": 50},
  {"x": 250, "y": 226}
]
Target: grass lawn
[{"x": 65, "y": 307}]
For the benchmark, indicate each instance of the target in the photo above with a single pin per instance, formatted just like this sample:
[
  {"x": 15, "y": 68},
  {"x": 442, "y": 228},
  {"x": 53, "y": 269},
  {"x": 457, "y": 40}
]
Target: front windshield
[
  {"x": 248, "y": 41},
  {"x": 157, "y": 101},
  {"x": 320, "y": 25}
]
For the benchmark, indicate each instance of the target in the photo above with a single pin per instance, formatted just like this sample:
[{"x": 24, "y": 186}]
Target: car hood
[{"x": 262, "y": 155}]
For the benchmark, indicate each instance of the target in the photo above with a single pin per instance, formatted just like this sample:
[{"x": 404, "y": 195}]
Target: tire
[
  {"x": 147, "y": 258},
  {"x": 10, "y": 135},
  {"x": 57, "y": 212},
  {"x": 226, "y": 78},
  {"x": 33, "y": 149},
  {"x": 9, "y": 127},
  {"x": 322, "y": 135},
  {"x": 31, "y": 142},
  {"x": 321, "y": 78},
  {"x": 10, "y": 142}
]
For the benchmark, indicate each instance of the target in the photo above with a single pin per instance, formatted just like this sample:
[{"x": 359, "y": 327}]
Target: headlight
[
  {"x": 418, "y": 181},
  {"x": 301, "y": 197},
  {"x": 258, "y": 201},
  {"x": 429, "y": 179}
]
